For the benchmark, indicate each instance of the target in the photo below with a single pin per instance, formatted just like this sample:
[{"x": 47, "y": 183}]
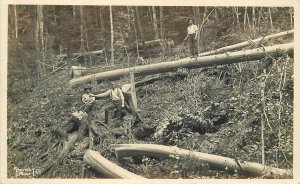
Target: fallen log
[
  {"x": 77, "y": 54},
  {"x": 76, "y": 71},
  {"x": 247, "y": 43},
  {"x": 154, "y": 43},
  {"x": 153, "y": 150},
  {"x": 107, "y": 168},
  {"x": 221, "y": 59}
]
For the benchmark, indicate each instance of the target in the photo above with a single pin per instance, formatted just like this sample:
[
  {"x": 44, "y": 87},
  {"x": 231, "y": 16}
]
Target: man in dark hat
[{"x": 192, "y": 34}]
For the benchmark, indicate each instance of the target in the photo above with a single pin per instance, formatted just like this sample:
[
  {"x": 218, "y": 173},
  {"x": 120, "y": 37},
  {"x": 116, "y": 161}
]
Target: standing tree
[
  {"x": 139, "y": 23},
  {"x": 161, "y": 17},
  {"x": 253, "y": 18},
  {"x": 111, "y": 35},
  {"x": 154, "y": 23},
  {"x": 39, "y": 41},
  {"x": 16, "y": 21},
  {"x": 270, "y": 18}
]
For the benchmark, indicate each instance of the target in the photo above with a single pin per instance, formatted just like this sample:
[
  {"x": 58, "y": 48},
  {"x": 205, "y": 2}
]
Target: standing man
[{"x": 192, "y": 34}]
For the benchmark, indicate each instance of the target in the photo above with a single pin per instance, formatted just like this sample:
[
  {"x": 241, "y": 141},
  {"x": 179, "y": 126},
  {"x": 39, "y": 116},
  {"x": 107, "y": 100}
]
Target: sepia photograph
[{"x": 149, "y": 92}]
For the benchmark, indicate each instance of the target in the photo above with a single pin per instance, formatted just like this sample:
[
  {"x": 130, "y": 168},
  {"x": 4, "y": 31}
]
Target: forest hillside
[{"x": 227, "y": 113}]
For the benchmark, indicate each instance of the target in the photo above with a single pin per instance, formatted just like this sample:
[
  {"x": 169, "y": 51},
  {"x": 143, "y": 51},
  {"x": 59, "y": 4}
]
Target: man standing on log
[
  {"x": 117, "y": 99},
  {"x": 192, "y": 34}
]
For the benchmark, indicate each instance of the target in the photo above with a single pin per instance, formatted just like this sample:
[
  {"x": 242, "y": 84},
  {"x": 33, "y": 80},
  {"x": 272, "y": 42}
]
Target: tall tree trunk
[
  {"x": 137, "y": 42},
  {"x": 260, "y": 16},
  {"x": 54, "y": 14},
  {"x": 155, "y": 23},
  {"x": 101, "y": 19},
  {"x": 16, "y": 21},
  {"x": 87, "y": 42},
  {"x": 253, "y": 18},
  {"x": 233, "y": 15},
  {"x": 270, "y": 17},
  {"x": 245, "y": 18},
  {"x": 292, "y": 17},
  {"x": 129, "y": 19},
  {"x": 237, "y": 16},
  {"x": 111, "y": 35},
  {"x": 74, "y": 11},
  {"x": 37, "y": 43},
  {"x": 81, "y": 30},
  {"x": 42, "y": 37},
  {"x": 161, "y": 17},
  {"x": 124, "y": 43},
  {"x": 150, "y": 14},
  {"x": 139, "y": 23},
  {"x": 198, "y": 36}
]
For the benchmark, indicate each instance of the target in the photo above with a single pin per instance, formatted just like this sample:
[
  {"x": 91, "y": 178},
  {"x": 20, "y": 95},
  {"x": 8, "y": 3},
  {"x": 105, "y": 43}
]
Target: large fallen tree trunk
[
  {"x": 107, "y": 168},
  {"x": 221, "y": 59},
  {"x": 153, "y": 150},
  {"x": 247, "y": 43}
]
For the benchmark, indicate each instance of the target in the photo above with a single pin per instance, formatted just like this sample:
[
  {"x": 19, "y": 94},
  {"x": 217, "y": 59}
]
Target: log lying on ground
[
  {"x": 221, "y": 59},
  {"x": 154, "y": 43},
  {"x": 77, "y": 54},
  {"x": 153, "y": 150},
  {"x": 247, "y": 43},
  {"x": 76, "y": 71},
  {"x": 107, "y": 168}
]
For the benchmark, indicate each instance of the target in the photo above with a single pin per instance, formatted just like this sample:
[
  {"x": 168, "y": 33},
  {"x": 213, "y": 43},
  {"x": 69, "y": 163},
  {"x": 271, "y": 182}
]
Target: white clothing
[
  {"x": 192, "y": 29},
  {"x": 88, "y": 98}
]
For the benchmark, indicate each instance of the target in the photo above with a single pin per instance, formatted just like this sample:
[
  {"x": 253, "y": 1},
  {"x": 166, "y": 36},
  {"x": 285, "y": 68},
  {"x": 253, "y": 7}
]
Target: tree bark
[
  {"x": 101, "y": 20},
  {"x": 16, "y": 21},
  {"x": 155, "y": 23},
  {"x": 247, "y": 43},
  {"x": 111, "y": 35},
  {"x": 161, "y": 17},
  {"x": 81, "y": 31},
  {"x": 42, "y": 38},
  {"x": 139, "y": 23},
  {"x": 292, "y": 18},
  {"x": 253, "y": 18},
  {"x": 260, "y": 15},
  {"x": 237, "y": 16},
  {"x": 221, "y": 59},
  {"x": 150, "y": 14},
  {"x": 74, "y": 11},
  {"x": 159, "y": 151},
  {"x": 37, "y": 42},
  {"x": 270, "y": 18},
  {"x": 107, "y": 168},
  {"x": 54, "y": 15}
]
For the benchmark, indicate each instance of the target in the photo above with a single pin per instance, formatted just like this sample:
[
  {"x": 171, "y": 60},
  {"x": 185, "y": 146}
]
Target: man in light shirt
[
  {"x": 88, "y": 98},
  {"x": 192, "y": 33},
  {"x": 117, "y": 99}
]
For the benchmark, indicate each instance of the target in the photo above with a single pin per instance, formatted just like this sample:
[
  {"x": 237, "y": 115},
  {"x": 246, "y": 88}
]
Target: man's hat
[{"x": 191, "y": 19}]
